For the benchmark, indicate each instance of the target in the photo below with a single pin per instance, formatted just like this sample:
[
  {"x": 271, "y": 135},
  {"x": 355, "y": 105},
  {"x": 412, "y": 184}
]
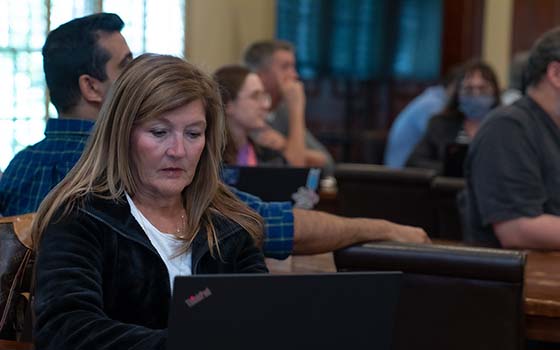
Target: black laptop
[
  {"x": 279, "y": 312},
  {"x": 274, "y": 183},
  {"x": 454, "y": 158}
]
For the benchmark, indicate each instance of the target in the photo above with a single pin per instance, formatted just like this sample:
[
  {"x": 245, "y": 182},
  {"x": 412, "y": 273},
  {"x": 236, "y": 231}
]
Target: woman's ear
[{"x": 92, "y": 89}]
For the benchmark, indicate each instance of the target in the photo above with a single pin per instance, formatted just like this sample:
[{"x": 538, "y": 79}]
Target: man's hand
[
  {"x": 408, "y": 234},
  {"x": 294, "y": 94},
  {"x": 270, "y": 138}
]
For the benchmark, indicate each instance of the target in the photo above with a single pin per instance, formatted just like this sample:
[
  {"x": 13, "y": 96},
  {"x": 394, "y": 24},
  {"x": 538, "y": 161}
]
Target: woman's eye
[
  {"x": 158, "y": 132},
  {"x": 193, "y": 134}
]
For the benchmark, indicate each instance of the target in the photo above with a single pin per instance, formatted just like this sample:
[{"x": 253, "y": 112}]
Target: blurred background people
[
  {"x": 246, "y": 106},
  {"x": 475, "y": 94},
  {"x": 411, "y": 123},
  {"x": 275, "y": 63}
]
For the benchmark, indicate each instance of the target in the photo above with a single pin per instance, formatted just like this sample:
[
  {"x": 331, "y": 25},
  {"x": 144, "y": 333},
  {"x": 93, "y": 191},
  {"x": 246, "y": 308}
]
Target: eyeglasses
[
  {"x": 260, "y": 96},
  {"x": 476, "y": 90}
]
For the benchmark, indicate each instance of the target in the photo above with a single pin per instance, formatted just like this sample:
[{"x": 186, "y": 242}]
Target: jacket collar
[{"x": 116, "y": 214}]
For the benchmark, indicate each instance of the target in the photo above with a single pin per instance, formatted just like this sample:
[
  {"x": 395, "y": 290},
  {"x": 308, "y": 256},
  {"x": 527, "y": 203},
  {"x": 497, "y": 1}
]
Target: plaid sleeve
[{"x": 278, "y": 224}]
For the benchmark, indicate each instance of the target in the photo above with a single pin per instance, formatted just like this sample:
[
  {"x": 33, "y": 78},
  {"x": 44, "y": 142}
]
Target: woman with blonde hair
[{"x": 143, "y": 204}]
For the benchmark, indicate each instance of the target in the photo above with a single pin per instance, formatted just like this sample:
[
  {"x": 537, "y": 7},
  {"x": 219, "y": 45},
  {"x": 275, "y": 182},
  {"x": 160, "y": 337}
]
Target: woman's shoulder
[
  {"x": 225, "y": 226},
  {"x": 86, "y": 213}
]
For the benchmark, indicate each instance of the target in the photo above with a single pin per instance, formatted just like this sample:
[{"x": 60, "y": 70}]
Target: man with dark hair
[
  {"x": 275, "y": 63},
  {"x": 513, "y": 166},
  {"x": 81, "y": 59}
]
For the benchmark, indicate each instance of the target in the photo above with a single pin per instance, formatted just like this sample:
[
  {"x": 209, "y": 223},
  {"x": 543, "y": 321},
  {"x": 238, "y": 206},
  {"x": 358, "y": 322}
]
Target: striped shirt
[{"x": 35, "y": 170}]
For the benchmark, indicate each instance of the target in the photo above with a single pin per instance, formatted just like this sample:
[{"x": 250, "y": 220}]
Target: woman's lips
[{"x": 173, "y": 172}]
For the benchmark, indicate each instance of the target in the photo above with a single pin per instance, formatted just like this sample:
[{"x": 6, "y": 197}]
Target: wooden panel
[
  {"x": 462, "y": 31},
  {"x": 531, "y": 18},
  {"x": 344, "y": 115}
]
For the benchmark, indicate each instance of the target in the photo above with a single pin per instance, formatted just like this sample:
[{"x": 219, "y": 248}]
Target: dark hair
[
  {"x": 72, "y": 50},
  {"x": 230, "y": 79},
  {"x": 450, "y": 78},
  {"x": 517, "y": 70},
  {"x": 469, "y": 68},
  {"x": 258, "y": 54},
  {"x": 545, "y": 50}
]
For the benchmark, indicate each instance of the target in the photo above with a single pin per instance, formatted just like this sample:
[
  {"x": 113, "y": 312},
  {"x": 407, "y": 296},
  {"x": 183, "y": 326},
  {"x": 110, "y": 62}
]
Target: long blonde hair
[{"x": 150, "y": 86}]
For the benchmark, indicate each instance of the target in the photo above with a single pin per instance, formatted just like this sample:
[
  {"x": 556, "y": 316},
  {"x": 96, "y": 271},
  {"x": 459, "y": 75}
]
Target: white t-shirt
[{"x": 166, "y": 245}]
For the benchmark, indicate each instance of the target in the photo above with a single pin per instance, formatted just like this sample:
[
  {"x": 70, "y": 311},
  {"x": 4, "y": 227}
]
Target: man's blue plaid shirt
[
  {"x": 278, "y": 221},
  {"x": 37, "y": 169}
]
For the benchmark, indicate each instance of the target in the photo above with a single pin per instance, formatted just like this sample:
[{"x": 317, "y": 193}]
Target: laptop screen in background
[{"x": 272, "y": 183}]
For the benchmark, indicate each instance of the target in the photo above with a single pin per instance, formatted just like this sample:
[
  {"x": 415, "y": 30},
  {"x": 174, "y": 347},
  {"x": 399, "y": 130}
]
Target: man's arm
[
  {"x": 270, "y": 138},
  {"x": 318, "y": 232},
  {"x": 294, "y": 96},
  {"x": 315, "y": 158},
  {"x": 540, "y": 232}
]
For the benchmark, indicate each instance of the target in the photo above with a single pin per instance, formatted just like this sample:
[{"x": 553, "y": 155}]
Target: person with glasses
[
  {"x": 274, "y": 61},
  {"x": 246, "y": 105},
  {"x": 475, "y": 94}
]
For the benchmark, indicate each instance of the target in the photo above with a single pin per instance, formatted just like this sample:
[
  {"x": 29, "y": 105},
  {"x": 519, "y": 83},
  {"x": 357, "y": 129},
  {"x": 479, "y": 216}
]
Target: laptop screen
[
  {"x": 275, "y": 183},
  {"x": 454, "y": 157},
  {"x": 262, "y": 311}
]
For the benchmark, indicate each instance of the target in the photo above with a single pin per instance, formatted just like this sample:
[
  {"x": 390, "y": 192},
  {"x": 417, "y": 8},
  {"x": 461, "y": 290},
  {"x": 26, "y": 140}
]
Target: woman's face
[
  {"x": 474, "y": 84},
  {"x": 166, "y": 150},
  {"x": 248, "y": 111},
  {"x": 476, "y": 96}
]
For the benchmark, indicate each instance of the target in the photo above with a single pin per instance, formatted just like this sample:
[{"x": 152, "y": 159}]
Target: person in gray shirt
[
  {"x": 275, "y": 63},
  {"x": 513, "y": 165}
]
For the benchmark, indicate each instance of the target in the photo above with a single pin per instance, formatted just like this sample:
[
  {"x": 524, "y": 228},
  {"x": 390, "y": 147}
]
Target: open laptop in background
[
  {"x": 279, "y": 312},
  {"x": 276, "y": 183}
]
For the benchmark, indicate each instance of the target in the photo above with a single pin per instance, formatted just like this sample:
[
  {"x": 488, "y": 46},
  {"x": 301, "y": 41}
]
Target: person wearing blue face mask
[{"x": 476, "y": 93}]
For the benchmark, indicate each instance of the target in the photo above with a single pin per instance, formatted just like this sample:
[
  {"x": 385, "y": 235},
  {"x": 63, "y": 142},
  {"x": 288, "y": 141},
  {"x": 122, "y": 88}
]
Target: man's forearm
[
  {"x": 295, "y": 141},
  {"x": 318, "y": 232},
  {"x": 541, "y": 232}
]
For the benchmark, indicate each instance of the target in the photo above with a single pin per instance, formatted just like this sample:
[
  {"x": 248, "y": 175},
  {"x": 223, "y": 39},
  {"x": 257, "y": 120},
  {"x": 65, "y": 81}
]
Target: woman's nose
[{"x": 176, "y": 147}]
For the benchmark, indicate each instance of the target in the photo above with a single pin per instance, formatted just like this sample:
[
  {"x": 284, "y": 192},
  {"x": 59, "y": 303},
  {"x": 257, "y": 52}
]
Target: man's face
[
  {"x": 116, "y": 46},
  {"x": 280, "y": 69}
]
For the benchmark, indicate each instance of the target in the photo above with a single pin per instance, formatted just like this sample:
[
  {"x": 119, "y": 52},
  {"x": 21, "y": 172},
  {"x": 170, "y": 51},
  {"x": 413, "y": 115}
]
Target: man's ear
[
  {"x": 553, "y": 73},
  {"x": 91, "y": 88}
]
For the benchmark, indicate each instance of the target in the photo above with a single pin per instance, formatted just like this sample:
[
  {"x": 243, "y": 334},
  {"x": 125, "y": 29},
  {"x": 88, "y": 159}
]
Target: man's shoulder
[
  {"x": 518, "y": 114},
  {"x": 24, "y": 158},
  {"x": 47, "y": 152}
]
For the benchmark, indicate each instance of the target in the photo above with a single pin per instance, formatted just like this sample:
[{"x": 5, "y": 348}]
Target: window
[{"x": 150, "y": 26}]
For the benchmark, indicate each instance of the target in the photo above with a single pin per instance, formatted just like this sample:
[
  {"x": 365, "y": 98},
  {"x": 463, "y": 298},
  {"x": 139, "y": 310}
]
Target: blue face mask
[{"x": 475, "y": 107}]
